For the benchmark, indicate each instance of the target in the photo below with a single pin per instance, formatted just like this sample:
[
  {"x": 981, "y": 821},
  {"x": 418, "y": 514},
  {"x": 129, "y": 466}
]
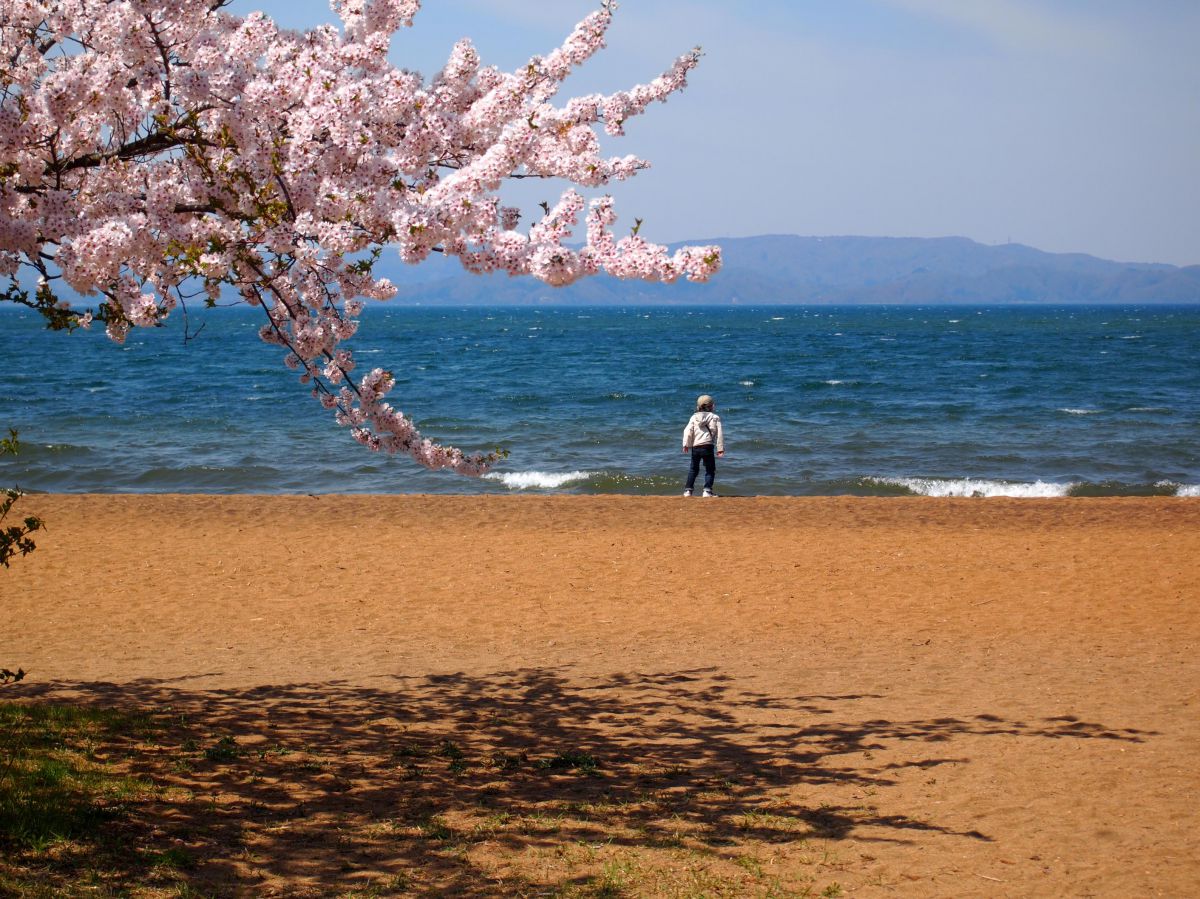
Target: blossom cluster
[{"x": 152, "y": 151}]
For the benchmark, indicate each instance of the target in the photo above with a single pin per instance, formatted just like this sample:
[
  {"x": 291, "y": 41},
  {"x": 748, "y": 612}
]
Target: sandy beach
[{"x": 867, "y": 697}]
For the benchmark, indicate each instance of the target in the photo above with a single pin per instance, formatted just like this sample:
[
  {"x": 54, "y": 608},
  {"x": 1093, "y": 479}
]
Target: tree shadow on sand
[{"x": 522, "y": 782}]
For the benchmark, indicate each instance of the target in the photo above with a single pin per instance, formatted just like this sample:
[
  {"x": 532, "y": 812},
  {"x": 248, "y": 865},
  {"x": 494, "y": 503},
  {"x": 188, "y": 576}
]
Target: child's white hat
[{"x": 704, "y": 401}]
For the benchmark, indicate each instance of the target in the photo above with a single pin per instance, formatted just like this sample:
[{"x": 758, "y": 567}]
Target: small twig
[
  {"x": 985, "y": 877},
  {"x": 188, "y": 335},
  {"x": 984, "y": 603}
]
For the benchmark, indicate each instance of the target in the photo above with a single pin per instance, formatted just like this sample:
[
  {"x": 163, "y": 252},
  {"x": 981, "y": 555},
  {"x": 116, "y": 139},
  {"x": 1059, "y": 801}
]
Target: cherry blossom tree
[
  {"x": 155, "y": 151},
  {"x": 15, "y": 539}
]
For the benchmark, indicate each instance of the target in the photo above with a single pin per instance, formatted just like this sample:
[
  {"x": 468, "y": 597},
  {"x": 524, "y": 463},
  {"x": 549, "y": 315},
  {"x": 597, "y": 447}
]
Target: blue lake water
[{"x": 864, "y": 400}]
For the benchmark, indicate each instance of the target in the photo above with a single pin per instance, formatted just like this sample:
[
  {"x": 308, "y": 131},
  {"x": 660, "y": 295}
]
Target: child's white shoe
[
  {"x": 708, "y": 493},
  {"x": 687, "y": 492}
]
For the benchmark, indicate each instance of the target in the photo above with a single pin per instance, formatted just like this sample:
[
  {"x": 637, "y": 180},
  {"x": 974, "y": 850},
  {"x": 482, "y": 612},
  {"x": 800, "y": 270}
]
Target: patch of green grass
[
  {"x": 583, "y": 762},
  {"x": 751, "y": 864},
  {"x": 174, "y": 858},
  {"x": 435, "y": 828},
  {"x": 52, "y": 785},
  {"x": 756, "y": 820},
  {"x": 492, "y": 824},
  {"x": 388, "y": 886},
  {"x": 776, "y": 889},
  {"x": 225, "y": 749},
  {"x": 410, "y": 751},
  {"x": 617, "y": 876},
  {"x": 276, "y": 750},
  {"x": 538, "y": 822}
]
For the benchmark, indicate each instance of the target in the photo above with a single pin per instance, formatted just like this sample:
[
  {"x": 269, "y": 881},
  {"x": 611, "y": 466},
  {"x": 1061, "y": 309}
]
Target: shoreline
[{"x": 1191, "y": 492}]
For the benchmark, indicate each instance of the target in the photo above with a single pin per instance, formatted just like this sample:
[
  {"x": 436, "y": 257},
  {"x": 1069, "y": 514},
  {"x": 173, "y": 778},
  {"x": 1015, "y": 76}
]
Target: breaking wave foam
[
  {"x": 975, "y": 487},
  {"x": 536, "y": 480}
]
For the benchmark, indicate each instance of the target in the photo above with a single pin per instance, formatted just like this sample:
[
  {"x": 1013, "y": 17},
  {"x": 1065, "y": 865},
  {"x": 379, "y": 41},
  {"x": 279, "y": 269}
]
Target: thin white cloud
[{"x": 1018, "y": 24}]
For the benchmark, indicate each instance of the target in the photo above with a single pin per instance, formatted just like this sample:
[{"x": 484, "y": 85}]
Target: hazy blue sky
[{"x": 1069, "y": 125}]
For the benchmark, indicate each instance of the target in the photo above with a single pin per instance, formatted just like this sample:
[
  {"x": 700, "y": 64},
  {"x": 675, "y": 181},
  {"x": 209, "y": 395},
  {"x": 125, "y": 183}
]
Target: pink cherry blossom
[{"x": 153, "y": 152}]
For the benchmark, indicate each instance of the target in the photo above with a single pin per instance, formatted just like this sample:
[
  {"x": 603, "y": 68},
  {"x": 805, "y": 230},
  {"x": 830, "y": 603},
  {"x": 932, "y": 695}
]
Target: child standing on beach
[{"x": 705, "y": 439}]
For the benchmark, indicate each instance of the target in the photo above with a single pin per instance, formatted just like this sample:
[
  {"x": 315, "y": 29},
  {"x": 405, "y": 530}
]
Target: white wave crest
[
  {"x": 976, "y": 487},
  {"x": 746, "y": 383},
  {"x": 1071, "y": 411},
  {"x": 536, "y": 480},
  {"x": 1192, "y": 490}
]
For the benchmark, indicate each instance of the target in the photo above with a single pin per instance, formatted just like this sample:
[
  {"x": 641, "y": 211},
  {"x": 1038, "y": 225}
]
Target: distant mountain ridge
[{"x": 832, "y": 270}]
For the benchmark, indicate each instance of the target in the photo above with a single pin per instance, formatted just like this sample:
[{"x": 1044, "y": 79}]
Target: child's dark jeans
[{"x": 708, "y": 455}]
